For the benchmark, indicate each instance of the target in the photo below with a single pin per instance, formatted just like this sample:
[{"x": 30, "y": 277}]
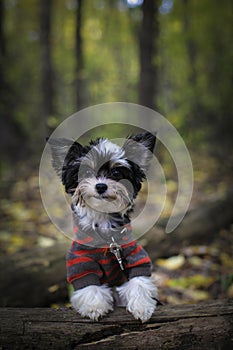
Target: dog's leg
[
  {"x": 138, "y": 294},
  {"x": 93, "y": 301}
]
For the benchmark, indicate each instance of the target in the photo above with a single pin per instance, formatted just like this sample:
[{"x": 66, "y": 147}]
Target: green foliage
[
  {"x": 193, "y": 63},
  {"x": 111, "y": 56},
  {"x": 195, "y": 44},
  {"x": 22, "y": 61}
]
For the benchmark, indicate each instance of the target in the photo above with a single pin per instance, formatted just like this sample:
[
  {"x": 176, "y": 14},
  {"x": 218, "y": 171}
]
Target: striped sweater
[{"x": 94, "y": 266}]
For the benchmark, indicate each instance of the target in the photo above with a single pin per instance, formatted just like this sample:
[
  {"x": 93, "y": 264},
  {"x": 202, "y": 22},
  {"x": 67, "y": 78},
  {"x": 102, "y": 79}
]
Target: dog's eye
[
  {"x": 116, "y": 173},
  {"x": 86, "y": 172}
]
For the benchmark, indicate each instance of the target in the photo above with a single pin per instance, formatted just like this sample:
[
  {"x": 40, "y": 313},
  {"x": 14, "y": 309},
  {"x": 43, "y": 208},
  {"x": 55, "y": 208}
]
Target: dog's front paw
[
  {"x": 142, "y": 311},
  {"x": 93, "y": 301},
  {"x": 139, "y": 294}
]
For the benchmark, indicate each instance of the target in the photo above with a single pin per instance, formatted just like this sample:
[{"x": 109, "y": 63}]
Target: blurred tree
[
  {"x": 89, "y": 54},
  {"x": 192, "y": 51},
  {"x": 2, "y": 34},
  {"x": 10, "y": 131},
  {"x": 196, "y": 74},
  {"x": 80, "y": 79},
  {"x": 47, "y": 74},
  {"x": 111, "y": 52},
  {"x": 217, "y": 93},
  {"x": 148, "y": 37}
]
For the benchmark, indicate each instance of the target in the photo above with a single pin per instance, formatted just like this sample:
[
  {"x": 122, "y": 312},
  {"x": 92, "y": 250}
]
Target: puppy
[{"x": 105, "y": 263}]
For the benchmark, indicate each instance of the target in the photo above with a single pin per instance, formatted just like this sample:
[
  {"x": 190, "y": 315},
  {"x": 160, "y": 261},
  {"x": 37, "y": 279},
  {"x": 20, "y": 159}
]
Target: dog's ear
[
  {"x": 64, "y": 151},
  {"x": 139, "y": 149},
  {"x": 147, "y": 139}
]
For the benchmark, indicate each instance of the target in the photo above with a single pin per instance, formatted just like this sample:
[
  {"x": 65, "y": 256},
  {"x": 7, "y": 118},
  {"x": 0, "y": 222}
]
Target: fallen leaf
[{"x": 172, "y": 263}]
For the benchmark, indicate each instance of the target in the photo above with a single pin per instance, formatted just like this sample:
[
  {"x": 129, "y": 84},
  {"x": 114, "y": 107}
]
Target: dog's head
[{"x": 103, "y": 176}]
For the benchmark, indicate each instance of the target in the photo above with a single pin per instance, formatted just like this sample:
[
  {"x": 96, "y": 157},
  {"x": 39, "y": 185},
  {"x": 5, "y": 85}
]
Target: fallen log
[
  {"x": 201, "y": 326},
  {"x": 200, "y": 226},
  {"x": 34, "y": 278}
]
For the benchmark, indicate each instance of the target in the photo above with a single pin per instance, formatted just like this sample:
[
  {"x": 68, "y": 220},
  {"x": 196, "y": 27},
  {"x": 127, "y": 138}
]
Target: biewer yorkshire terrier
[{"x": 105, "y": 264}]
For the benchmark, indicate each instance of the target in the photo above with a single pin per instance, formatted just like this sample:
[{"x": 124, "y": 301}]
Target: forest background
[{"x": 174, "y": 56}]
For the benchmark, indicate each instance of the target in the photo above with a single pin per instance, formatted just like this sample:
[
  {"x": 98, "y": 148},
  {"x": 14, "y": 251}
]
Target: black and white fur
[{"x": 104, "y": 180}]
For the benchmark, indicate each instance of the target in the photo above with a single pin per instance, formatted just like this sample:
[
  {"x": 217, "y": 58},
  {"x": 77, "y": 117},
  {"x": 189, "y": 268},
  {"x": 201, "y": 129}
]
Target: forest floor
[{"x": 197, "y": 273}]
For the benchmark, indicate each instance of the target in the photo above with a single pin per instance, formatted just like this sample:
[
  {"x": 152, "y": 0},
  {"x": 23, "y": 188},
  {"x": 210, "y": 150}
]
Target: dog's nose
[{"x": 101, "y": 188}]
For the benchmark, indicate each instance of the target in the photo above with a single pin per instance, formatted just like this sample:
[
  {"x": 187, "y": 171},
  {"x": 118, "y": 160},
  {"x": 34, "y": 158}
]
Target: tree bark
[
  {"x": 148, "y": 36},
  {"x": 2, "y": 31},
  {"x": 80, "y": 81},
  {"x": 11, "y": 134},
  {"x": 201, "y": 326},
  {"x": 47, "y": 85},
  {"x": 195, "y": 106}
]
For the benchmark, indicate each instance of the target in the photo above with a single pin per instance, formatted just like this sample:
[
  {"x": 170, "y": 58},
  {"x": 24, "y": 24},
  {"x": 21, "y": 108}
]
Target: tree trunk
[
  {"x": 11, "y": 134},
  {"x": 2, "y": 34},
  {"x": 148, "y": 36},
  {"x": 201, "y": 326},
  {"x": 80, "y": 81},
  {"x": 196, "y": 109},
  {"x": 47, "y": 86}
]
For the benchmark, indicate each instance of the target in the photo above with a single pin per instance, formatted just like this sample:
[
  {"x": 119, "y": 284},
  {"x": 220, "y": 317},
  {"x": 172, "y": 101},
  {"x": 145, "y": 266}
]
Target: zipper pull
[{"x": 116, "y": 250}]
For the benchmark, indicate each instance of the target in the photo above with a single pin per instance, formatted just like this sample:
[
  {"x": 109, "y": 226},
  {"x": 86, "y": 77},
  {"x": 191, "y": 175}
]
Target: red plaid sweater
[{"x": 95, "y": 266}]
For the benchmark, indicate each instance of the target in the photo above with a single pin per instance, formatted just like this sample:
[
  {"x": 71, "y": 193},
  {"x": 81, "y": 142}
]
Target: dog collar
[{"x": 94, "y": 238}]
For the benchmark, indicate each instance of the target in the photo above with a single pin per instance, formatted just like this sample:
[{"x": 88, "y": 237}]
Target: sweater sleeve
[
  {"x": 137, "y": 260},
  {"x": 82, "y": 270}
]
